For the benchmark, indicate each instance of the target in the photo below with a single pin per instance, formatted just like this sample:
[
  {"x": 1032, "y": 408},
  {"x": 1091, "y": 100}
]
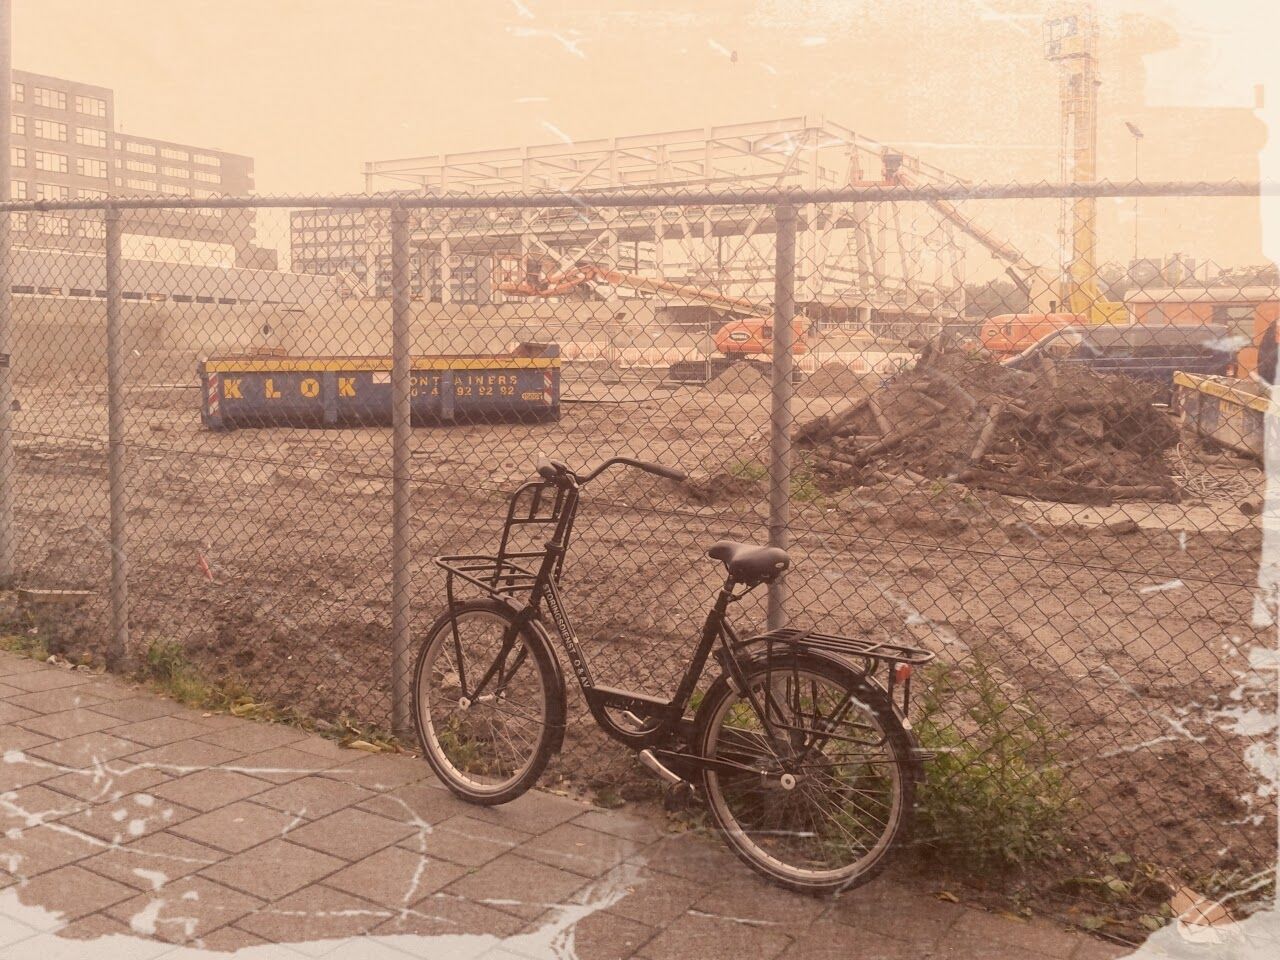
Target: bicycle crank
[{"x": 656, "y": 766}]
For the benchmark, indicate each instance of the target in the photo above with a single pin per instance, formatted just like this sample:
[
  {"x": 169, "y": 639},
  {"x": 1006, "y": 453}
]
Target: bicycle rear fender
[{"x": 748, "y": 657}]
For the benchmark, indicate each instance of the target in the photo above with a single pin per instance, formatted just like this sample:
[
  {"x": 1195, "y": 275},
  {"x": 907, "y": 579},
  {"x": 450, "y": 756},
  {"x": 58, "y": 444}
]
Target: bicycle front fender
[{"x": 536, "y": 633}]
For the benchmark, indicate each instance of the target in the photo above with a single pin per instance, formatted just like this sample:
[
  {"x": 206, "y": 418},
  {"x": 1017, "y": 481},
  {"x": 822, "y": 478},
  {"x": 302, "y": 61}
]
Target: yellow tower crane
[{"x": 1071, "y": 41}]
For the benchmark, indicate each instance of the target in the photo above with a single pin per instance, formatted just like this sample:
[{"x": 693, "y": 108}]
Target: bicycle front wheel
[
  {"x": 486, "y": 703},
  {"x": 838, "y": 789}
]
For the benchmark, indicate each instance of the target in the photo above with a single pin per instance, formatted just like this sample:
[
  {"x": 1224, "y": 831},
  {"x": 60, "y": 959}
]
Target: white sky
[{"x": 312, "y": 88}]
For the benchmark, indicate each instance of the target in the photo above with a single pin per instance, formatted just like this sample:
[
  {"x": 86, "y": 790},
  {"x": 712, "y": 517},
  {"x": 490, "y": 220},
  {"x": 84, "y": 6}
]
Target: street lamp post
[{"x": 1137, "y": 139}]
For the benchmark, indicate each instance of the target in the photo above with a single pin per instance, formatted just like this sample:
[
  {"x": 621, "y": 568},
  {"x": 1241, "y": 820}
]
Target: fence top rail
[{"x": 651, "y": 198}]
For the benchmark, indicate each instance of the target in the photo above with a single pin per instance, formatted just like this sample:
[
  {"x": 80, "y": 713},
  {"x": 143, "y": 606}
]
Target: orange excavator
[{"x": 746, "y": 335}]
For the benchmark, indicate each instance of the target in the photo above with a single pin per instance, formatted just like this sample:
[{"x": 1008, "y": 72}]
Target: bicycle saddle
[{"x": 748, "y": 563}]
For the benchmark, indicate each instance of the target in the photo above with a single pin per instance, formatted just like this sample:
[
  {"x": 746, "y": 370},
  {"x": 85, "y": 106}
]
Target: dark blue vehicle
[{"x": 1151, "y": 352}]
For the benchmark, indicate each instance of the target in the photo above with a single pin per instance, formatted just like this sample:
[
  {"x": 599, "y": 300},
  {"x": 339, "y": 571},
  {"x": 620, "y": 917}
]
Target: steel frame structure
[{"x": 881, "y": 256}]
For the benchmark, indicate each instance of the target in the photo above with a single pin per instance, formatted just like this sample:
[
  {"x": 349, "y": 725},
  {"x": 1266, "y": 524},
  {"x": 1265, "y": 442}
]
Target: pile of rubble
[{"x": 1059, "y": 432}]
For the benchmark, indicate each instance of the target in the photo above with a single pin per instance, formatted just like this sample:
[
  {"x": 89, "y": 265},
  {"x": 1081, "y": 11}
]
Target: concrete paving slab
[{"x": 130, "y": 816}]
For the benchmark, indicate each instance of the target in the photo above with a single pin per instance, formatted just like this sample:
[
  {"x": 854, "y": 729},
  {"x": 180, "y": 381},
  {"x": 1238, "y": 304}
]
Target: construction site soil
[
  {"x": 1061, "y": 433},
  {"x": 1128, "y": 628}
]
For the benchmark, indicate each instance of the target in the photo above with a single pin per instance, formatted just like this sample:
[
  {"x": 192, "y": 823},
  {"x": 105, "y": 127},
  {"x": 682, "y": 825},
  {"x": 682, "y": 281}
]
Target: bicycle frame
[
  {"x": 667, "y": 714},
  {"x": 764, "y": 724}
]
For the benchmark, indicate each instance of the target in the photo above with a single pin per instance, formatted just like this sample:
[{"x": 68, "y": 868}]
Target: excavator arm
[
  {"x": 561, "y": 282},
  {"x": 1034, "y": 283},
  {"x": 1083, "y": 297},
  {"x": 750, "y": 333}
]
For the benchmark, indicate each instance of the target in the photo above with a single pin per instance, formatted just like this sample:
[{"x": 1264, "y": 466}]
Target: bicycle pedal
[{"x": 679, "y": 797}]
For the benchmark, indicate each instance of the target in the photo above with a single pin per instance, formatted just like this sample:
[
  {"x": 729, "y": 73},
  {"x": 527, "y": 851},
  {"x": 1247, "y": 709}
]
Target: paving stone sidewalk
[{"x": 136, "y": 827}]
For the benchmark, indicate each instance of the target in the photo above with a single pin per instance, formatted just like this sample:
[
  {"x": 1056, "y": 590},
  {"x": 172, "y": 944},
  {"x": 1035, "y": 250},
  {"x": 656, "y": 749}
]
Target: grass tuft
[{"x": 995, "y": 797}]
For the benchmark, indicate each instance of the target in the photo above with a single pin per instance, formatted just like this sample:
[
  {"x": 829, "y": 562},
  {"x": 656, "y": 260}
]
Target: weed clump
[{"x": 995, "y": 796}]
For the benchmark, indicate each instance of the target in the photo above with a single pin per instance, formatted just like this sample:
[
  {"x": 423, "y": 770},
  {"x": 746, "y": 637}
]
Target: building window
[
  {"x": 87, "y": 193},
  {"x": 92, "y": 229},
  {"x": 1239, "y": 319},
  {"x": 18, "y": 125},
  {"x": 91, "y": 137},
  {"x": 136, "y": 184},
  {"x": 54, "y": 226},
  {"x": 50, "y": 129},
  {"x": 173, "y": 153},
  {"x": 140, "y": 166},
  {"x": 17, "y": 189},
  {"x": 90, "y": 167},
  {"x": 53, "y": 99},
  {"x": 208, "y": 159},
  {"x": 52, "y": 162},
  {"x": 202, "y": 193},
  {"x": 17, "y": 156},
  {"x": 91, "y": 106},
  {"x": 205, "y": 177},
  {"x": 179, "y": 172},
  {"x": 133, "y": 146},
  {"x": 175, "y": 189},
  {"x": 18, "y": 221},
  {"x": 19, "y": 91},
  {"x": 51, "y": 191}
]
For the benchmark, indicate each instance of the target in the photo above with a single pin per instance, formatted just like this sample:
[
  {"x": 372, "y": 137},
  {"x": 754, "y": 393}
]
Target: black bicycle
[{"x": 800, "y": 747}]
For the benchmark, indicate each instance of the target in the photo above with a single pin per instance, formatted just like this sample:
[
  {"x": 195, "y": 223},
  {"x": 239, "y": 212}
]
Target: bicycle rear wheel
[
  {"x": 839, "y": 790},
  {"x": 487, "y": 704}
]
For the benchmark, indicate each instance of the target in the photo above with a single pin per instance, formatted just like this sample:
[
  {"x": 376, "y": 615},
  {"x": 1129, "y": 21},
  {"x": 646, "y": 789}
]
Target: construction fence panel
[
  {"x": 1006, "y": 472},
  {"x": 968, "y": 453},
  {"x": 630, "y": 321}
]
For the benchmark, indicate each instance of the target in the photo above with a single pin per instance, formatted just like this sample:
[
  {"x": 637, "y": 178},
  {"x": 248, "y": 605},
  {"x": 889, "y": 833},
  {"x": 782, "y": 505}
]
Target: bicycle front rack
[
  {"x": 496, "y": 576},
  {"x": 534, "y": 504}
]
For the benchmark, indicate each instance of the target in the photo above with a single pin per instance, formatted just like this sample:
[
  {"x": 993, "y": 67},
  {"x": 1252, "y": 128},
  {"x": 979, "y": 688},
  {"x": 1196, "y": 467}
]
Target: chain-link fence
[{"x": 234, "y": 435}]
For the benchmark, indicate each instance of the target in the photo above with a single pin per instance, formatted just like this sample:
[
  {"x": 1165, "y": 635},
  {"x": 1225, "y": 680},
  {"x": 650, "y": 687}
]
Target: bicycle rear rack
[
  {"x": 846, "y": 646},
  {"x": 870, "y": 652}
]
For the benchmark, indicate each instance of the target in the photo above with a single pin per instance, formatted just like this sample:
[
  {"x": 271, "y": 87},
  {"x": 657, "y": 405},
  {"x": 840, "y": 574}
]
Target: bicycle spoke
[
  {"x": 488, "y": 742},
  {"x": 840, "y": 809}
]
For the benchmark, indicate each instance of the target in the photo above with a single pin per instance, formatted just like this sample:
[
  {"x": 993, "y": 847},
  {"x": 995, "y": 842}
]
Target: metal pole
[
  {"x": 401, "y": 436},
  {"x": 118, "y": 649},
  {"x": 8, "y": 567},
  {"x": 780, "y": 417},
  {"x": 1136, "y": 141},
  {"x": 701, "y": 198}
]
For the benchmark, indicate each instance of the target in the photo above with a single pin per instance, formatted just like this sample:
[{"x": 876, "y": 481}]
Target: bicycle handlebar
[{"x": 554, "y": 470}]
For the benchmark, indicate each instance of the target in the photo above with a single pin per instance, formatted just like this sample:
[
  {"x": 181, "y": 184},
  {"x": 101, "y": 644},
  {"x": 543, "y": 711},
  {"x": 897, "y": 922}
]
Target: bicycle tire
[
  {"x": 896, "y": 740},
  {"x": 549, "y": 679}
]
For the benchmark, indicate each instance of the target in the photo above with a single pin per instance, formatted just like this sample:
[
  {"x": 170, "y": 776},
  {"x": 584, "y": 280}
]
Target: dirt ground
[{"x": 265, "y": 553}]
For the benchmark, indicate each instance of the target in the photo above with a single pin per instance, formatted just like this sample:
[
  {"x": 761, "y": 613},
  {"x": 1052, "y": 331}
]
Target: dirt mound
[
  {"x": 836, "y": 379},
  {"x": 1059, "y": 433},
  {"x": 721, "y": 488},
  {"x": 741, "y": 378}
]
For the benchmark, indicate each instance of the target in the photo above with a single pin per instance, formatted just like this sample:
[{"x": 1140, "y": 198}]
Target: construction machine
[
  {"x": 1034, "y": 282},
  {"x": 1070, "y": 295},
  {"x": 747, "y": 334},
  {"x": 1071, "y": 42},
  {"x": 1049, "y": 309}
]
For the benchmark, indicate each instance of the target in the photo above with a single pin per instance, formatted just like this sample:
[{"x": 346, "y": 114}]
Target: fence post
[
  {"x": 118, "y": 649},
  {"x": 780, "y": 416},
  {"x": 8, "y": 466},
  {"x": 401, "y": 437}
]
